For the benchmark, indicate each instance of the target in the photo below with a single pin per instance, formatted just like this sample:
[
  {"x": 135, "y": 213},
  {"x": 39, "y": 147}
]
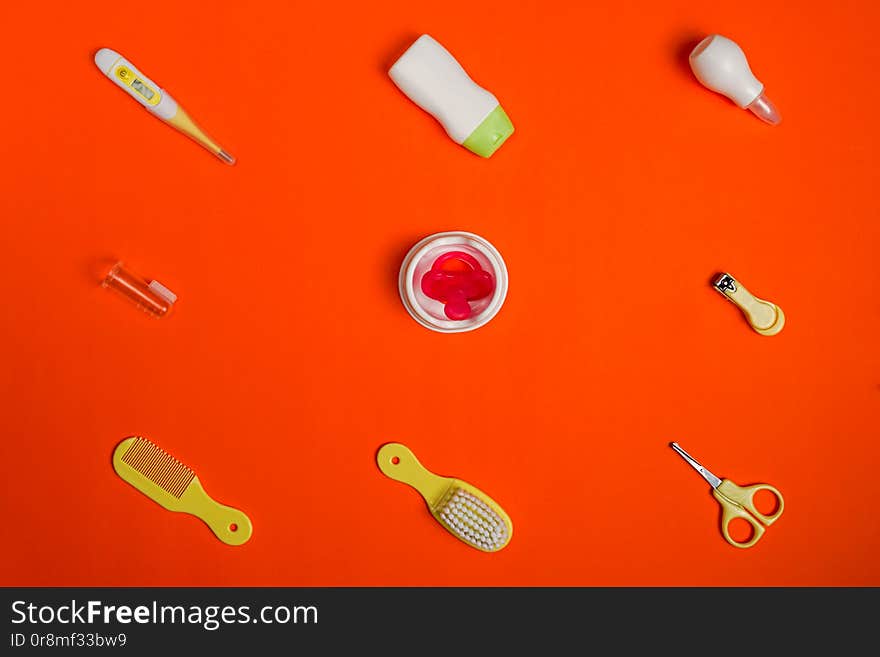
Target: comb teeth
[
  {"x": 472, "y": 520},
  {"x": 158, "y": 466}
]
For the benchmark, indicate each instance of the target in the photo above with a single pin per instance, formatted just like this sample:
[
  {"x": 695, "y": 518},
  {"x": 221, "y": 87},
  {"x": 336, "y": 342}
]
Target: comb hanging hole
[
  {"x": 233, "y": 527},
  {"x": 395, "y": 460}
]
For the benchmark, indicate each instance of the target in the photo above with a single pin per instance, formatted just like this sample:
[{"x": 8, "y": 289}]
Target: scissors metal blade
[{"x": 708, "y": 476}]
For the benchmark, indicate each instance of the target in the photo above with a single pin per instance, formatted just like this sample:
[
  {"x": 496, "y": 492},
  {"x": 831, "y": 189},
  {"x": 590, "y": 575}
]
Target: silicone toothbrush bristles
[
  {"x": 158, "y": 466},
  {"x": 473, "y": 520}
]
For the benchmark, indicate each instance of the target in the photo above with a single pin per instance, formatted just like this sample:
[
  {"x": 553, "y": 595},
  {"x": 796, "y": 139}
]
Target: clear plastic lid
[{"x": 453, "y": 282}]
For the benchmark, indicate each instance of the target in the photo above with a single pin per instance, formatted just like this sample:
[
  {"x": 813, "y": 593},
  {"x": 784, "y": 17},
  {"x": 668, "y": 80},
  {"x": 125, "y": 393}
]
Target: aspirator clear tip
[{"x": 765, "y": 110}]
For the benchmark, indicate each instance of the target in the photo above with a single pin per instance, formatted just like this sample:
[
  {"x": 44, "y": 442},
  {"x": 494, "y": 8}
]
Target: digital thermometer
[{"x": 154, "y": 98}]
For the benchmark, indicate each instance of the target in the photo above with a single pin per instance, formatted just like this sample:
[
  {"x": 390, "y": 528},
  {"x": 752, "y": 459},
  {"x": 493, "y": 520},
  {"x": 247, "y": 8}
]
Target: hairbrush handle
[
  {"x": 398, "y": 462},
  {"x": 229, "y": 525}
]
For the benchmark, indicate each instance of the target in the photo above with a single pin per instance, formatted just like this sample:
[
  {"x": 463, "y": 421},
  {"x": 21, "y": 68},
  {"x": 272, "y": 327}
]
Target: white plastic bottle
[{"x": 432, "y": 78}]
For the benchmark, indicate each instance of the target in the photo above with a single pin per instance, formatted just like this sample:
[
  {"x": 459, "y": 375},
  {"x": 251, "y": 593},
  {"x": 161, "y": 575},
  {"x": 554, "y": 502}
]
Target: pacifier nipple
[
  {"x": 455, "y": 279},
  {"x": 456, "y": 308},
  {"x": 721, "y": 65}
]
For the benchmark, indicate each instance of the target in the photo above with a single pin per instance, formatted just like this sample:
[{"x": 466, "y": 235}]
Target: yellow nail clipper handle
[
  {"x": 399, "y": 463},
  {"x": 765, "y": 317},
  {"x": 229, "y": 525}
]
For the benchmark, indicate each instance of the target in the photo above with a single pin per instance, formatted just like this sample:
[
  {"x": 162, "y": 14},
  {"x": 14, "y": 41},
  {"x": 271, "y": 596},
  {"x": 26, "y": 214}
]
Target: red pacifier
[{"x": 454, "y": 279}]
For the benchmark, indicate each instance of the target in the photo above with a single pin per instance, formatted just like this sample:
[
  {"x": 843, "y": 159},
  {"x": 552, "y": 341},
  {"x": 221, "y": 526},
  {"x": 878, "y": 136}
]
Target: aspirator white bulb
[{"x": 721, "y": 65}]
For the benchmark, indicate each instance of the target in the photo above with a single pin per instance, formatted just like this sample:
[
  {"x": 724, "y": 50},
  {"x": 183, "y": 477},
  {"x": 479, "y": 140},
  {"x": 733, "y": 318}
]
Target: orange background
[{"x": 289, "y": 358}]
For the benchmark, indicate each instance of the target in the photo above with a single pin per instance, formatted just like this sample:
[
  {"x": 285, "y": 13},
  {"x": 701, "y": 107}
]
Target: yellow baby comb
[
  {"x": 464, "y": 510},
  {"x": 164, "y": 479},
  {"x": 765, "y": 317}
]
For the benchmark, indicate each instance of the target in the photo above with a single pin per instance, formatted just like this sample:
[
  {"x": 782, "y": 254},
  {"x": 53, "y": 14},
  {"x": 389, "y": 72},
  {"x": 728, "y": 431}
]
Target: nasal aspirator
[{"x": 721, "y": 65}]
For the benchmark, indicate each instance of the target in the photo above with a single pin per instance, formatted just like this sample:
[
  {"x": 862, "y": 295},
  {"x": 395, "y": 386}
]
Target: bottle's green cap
[{"x": 490, "y": 134}]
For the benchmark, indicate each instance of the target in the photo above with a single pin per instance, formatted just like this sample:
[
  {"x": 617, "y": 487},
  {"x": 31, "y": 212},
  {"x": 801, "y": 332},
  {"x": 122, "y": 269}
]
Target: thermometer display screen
[{"x": 143, "y": 89}]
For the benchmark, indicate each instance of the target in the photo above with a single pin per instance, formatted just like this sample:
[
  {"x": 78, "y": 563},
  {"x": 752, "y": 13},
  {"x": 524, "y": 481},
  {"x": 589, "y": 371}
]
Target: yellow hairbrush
[
  {"x": 165, "y": 480},
  {"x": 464, "y": 510}
]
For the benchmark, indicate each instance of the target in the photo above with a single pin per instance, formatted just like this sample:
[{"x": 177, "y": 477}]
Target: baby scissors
[{"x": 736, "y": 502}]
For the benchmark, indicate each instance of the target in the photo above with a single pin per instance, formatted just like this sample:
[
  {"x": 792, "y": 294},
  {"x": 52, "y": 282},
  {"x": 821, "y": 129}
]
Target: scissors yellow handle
[{"x": 738, "y": 502}]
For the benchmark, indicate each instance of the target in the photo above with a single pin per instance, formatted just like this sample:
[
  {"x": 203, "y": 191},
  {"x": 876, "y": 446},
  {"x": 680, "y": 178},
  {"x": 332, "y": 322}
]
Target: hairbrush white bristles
[
  {"x": 472, "y": 520},
  {"x": 464, "y": 510}
]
